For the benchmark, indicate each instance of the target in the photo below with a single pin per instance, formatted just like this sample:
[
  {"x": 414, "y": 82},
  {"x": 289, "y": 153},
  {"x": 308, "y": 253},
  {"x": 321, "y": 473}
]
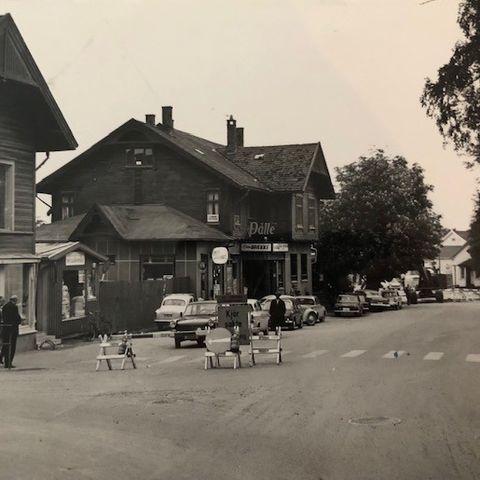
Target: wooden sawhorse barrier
[
  {"x": 124, "y": 350},
  {"x": 210, "y": 356},
  {"x": 258, "y": 346}
]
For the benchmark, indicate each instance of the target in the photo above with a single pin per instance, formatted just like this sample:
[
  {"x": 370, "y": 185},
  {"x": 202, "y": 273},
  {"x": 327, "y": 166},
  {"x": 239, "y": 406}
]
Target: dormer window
[{"x": 139, "y": 157}]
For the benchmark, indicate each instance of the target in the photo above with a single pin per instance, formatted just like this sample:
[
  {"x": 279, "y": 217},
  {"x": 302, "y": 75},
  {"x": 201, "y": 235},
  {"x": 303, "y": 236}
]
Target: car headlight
[{"x": 173, "y": 324}]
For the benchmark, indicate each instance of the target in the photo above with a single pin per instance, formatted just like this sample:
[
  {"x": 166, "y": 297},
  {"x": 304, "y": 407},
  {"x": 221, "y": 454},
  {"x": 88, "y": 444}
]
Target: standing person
[
  {"x": 11, "y": 322},
  {"x": 277, "y": 312}
]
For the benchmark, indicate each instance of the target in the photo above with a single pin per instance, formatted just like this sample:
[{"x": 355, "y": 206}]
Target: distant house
[
  {"x": 30, "y": 122},
  {"x": 157, "y": 201}
]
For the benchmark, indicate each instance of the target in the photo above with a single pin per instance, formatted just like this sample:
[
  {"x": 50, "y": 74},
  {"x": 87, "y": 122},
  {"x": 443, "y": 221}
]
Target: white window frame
[{"x": 10, "y": 223}]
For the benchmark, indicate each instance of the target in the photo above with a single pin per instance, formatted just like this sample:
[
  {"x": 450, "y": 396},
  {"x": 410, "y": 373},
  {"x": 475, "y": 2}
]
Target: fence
[{"x": 131, "y": 306}]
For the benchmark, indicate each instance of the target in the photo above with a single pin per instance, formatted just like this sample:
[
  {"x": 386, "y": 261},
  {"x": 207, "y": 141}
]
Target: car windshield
[
  {"x": 177, "y": 302},
  {"x": 288, "y": 304},
  {"x": 201, "y": 309},
  {"x": 347, "y": 298},
  {"x": 306, "y": 301}
]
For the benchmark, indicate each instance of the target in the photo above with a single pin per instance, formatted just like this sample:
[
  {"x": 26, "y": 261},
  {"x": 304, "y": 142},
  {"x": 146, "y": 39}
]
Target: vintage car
[
  {"x": 172, "y": 308},
  {"x": 363, "y": 300},
  {"x": 394, "y": 299},
  {"x": 293, "y": 314},
  {"x": 348, "y": 304},
  {"x": 312, "y": 310},
  {"x": 198, "y": 316},
  {"x": 375, "y": 300},
  {"x": 258, "y": 317}
]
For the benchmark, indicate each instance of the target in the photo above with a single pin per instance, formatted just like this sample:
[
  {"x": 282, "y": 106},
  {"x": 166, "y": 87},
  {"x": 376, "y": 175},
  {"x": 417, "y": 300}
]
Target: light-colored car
[
  {"x": 394, "y": 300},
  {"x": 258, "y": 317},
  {"x": 173, "y": 306},
  {"x": 375, "y": 300},
  {"x": 312, "y": 310}
]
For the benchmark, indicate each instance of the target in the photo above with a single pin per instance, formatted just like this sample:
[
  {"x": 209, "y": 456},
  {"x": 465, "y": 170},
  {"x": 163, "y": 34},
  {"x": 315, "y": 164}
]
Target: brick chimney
[
  {"x": 231, "y": 135},
  {"x": 150, "y": 119},
  {"x": 167, "y": 118},
  {"x": 239, "y": 133}
]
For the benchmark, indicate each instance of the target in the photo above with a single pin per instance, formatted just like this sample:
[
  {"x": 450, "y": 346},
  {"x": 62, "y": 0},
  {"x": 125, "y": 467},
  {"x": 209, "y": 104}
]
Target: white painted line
[
  {"x": 473, "y": 357},
  {"x": 314, "y": 354},
  {"x": 354, "y": 353},
  {"x": 433, "y": 356},
  {"x": 172, "y": 359},
  {"x": 391, "y": 354},
  {"x": 195, "y": 360},
  {"x": 285, "y": 352}
]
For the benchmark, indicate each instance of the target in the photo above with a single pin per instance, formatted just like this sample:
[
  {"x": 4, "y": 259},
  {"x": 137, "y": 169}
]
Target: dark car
[
  {"x": 197, "y": 317},
  {"x": 348, "y": 304},
  {"x": 293, "y": 314},
  {"x": 375, "y": 300}
]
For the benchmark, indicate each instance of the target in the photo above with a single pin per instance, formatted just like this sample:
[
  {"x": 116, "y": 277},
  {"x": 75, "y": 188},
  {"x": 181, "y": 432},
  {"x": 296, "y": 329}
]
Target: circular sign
[
  {"x": 220, "y": 255},
  {"x": 218, "y": 340}
]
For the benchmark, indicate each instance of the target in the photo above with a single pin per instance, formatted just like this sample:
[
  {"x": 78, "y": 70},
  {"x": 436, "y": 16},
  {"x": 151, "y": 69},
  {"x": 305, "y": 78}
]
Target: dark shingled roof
[
  {"x": 157, "y": 222},
  {"x": 58, "y": 231},
  {"x": 450, "y": 251},
  {"x": 465, "y": 234},
  {"x": 281, "y": 167}
]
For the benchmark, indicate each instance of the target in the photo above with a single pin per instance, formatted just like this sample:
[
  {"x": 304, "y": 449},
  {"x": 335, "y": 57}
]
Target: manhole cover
[{"x": 375, "y": 421}]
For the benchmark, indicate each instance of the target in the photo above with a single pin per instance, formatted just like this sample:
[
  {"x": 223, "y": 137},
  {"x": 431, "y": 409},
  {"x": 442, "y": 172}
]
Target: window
[
  {"x": 157, "y": 267},
  {"x": 67, "y": 200},
  {"x": 299, "y": 211},
  {"x": 6, "y": 195},
  {"x": 139, "y": 157},
  {"x": 213, "y": 207},
  {"x": 293, "y": 267},
  {"x": 304, "y": 266},
  {"x": 462, "y": 272},
  {"x": 312, "y": 212}
]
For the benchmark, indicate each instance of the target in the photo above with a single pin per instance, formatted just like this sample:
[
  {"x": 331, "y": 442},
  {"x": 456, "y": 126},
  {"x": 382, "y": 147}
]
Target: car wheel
[
  {"x": 311, "y": 319},
  {"x": 300, "y": 324},
  {"x": 292, "y": 326},
  {"x": 178, "y": 343}
]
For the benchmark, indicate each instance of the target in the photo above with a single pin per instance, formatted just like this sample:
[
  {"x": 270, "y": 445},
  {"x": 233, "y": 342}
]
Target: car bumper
[
  {"x": 189, "y": 334},
  {"x": 162, "y": 325},
  {"x": 341, "y": 311}
]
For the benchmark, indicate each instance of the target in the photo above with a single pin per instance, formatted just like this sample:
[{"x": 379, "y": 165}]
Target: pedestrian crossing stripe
[
  {"x": 473, "y": 357},
  {"x": 392, "y": 353},
  {"x": 172, "y": 359},
  {"x": 433, "y": 356},
  {"x": 315, "y": 354},
  {"x": 353, "y": 353}
]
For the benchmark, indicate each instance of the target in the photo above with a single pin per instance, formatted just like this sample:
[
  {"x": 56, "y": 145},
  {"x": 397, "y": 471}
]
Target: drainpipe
[{"x": 44, "y": 161}]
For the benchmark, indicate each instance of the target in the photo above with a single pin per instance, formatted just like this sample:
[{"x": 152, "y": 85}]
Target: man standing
[
  {"x": 11, "y": 320},
  {"x": 277, "y": 312}
]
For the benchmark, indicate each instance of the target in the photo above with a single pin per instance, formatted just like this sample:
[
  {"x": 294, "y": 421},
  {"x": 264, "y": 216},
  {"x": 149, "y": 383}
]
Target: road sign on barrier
[{"x": 235, "y": 315}]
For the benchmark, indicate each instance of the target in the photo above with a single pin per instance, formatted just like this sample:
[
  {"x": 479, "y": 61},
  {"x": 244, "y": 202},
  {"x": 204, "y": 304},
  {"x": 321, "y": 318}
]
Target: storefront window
[
  {"x": 73, "y": 293},
  {"x": 293, "y": 267},
  {"x": 304, "y": 266},
  {"x": 156, "y": 267}
]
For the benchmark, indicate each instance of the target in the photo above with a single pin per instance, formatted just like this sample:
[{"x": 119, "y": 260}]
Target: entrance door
[{"x": 260, "y": 277}]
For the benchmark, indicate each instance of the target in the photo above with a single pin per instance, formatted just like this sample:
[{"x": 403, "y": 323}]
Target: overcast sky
[{"x": 346, "y": 72}]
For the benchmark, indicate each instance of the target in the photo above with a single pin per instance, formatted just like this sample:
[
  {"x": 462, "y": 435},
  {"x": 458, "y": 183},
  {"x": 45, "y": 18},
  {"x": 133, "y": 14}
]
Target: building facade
[
  {"x": 157, "y": 201},
  {"x": 30, "y": 122}
]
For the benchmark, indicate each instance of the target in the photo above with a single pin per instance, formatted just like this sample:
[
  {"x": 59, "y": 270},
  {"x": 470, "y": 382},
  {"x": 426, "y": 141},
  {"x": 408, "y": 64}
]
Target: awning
[{"x": 12, "y": 258}]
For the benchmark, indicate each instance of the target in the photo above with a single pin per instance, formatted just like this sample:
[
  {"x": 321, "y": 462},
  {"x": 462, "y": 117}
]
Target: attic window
[
  {"x": 139, "y": 157},
  {"x": 199, "y": 151},
  {"x": 258, "y": 156}
]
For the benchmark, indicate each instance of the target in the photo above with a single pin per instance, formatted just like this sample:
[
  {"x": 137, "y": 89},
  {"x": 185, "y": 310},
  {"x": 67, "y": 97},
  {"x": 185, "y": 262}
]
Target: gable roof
[
  {"x": 465, "y": 234},
  {"x": 278, "y": 168},
  {"x": 450, "y": 251},
  {"x": 151, "y": 222},
  {"x": 57, "y": 231},
  {"x": 55, "y": 251},
  {"x": 18, "y": 66}
]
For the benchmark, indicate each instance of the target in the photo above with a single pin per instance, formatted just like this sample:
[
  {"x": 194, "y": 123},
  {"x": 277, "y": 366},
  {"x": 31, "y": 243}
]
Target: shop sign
[
  {"x": 261, "y": 228},
  {"x": 256, "y": 247},
  {"x": 220, "y": 255},
  {"x": 280, "y": 247},
  {"x": 73, "y": 259}
]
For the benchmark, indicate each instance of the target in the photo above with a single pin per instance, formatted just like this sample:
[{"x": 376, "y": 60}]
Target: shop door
[{"x": 260, "y": 277}]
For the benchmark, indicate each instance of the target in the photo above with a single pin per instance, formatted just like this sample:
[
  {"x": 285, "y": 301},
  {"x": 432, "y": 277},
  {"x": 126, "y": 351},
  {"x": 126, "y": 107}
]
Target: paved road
[{"x": 418, "y": 413}]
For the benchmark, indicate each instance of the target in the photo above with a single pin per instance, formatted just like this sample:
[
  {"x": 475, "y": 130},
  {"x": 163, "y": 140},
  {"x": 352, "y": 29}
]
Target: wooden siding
[
  {"x": 104, "y": 178},
  {"x": 17, "y": 146}
]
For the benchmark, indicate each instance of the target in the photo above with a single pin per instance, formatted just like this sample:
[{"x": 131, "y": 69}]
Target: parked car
[
  {"x": 194, "y": 322},
  {"x": 394, "y": 300},
  {"x": 172, "y": 308},
  {"x": 312, "y": 310},
  {"x": 258, "y": 317},
  {"x": 348, "y": 304},
  {"x": 375, "y": 300},
  {"x": 363, "y": 300},
  {"x": 293, "y": 314}
]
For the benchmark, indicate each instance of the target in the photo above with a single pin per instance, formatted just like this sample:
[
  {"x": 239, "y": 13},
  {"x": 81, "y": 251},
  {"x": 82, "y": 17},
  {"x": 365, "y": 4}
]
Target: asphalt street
[{"x": 391, "y": 395}]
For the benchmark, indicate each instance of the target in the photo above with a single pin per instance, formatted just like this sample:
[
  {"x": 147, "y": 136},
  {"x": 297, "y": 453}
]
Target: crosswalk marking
[
  {"x": 315, "y": 353},
  {"x": 354, "y": 353},
  {"x": 195, "y": 360},
  {"x": 172, "y": 359},
  {"x": 473, "y": 357},
  {"x": 433, "y": 356},
  {"x": 391, "y": 354}
]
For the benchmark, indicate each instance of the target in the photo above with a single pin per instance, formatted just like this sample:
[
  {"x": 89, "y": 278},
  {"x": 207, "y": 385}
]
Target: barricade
[
  {"x": 219, "y": 343},
  {"x": 266, "y": 345},
  {"x": 124, "y": 350}
]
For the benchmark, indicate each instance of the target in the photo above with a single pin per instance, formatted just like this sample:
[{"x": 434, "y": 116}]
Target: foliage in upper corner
[
  {"x": 474, "y": 240},
  {"x": 453, "y": 100},
  {"x": 381, "y": 223}
]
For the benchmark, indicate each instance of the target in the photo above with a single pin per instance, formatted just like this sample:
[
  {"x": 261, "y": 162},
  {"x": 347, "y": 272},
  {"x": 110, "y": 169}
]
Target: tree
[
  {"x": 381, "y": 223},
  {"x": 453, "y": 101},
  {"x": 474, "y": 241}
]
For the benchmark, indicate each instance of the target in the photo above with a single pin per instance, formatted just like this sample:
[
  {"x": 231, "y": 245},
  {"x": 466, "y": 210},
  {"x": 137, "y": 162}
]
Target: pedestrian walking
[
  {"x": 11, "y": 320},
  {"x": 277, "y": 312}
]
